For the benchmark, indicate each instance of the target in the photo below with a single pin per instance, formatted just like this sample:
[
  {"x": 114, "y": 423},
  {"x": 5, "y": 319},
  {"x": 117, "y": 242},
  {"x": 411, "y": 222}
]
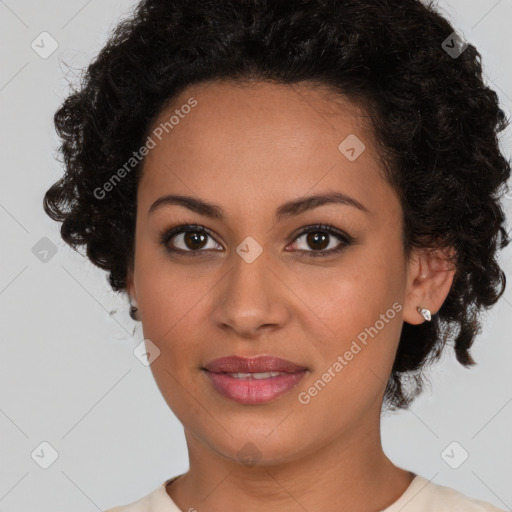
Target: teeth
[{"x": 265, "y": 375}]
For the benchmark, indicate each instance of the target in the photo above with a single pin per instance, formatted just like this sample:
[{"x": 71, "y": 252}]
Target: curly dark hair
[{"x": 435, "y": 120}]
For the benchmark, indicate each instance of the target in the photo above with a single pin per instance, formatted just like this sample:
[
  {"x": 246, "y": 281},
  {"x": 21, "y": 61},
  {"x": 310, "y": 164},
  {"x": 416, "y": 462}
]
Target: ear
[{"x": 430, "y": 274}]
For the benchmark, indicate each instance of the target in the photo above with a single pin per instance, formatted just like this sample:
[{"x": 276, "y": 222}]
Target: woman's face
[{"x": 254, "y": 285}]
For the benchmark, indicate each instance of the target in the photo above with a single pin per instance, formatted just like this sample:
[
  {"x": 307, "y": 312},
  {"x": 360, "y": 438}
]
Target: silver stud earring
[{"x": 425, "y": 313}]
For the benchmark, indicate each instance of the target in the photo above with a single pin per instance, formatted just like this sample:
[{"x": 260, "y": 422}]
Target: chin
[{"x": 259, "y": 446}]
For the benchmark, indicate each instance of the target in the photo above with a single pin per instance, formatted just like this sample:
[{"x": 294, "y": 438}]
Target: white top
[{"x": 422, "y": 495}]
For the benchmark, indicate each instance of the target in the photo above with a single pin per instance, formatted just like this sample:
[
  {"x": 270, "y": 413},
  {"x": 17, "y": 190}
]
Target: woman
[{"x": 300, "y": 200}]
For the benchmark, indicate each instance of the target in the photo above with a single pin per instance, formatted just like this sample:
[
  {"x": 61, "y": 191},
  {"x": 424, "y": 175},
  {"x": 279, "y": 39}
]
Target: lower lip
[{"x": 254, "y": 391}]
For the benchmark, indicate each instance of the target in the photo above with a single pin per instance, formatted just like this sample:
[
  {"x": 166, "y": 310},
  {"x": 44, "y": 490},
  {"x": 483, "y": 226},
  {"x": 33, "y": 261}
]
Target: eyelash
[{"x": 326, "y": 228}]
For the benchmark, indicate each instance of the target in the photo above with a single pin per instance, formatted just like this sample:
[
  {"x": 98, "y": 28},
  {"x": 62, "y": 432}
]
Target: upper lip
[{"x": 260, "y": 364}]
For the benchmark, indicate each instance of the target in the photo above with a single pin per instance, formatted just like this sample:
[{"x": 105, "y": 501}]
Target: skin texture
[{"x": 249, "y": 148}]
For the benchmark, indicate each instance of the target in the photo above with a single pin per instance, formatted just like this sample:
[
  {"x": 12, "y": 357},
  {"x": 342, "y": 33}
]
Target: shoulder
[
  {"x": 132, "y": 507},
  {"x": 432, "y": 496},
  {"x": 155, "y": 501},
  {"x": 142, "y": 505}
]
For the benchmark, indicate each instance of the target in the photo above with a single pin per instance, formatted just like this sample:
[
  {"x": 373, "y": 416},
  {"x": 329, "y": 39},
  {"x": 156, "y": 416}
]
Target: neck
[{"x": 351, "y": 470}]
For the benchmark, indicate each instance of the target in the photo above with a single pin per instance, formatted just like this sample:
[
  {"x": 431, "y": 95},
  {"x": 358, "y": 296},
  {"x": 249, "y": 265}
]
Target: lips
[
  {"x": 253, "y": 381},
  {"x": 261, "y": 364}
]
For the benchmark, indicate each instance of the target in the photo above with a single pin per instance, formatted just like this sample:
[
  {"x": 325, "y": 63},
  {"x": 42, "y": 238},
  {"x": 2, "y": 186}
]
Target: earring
[
  {"x": 133, "y": 312},
  {"x": 425, "y": 313}
]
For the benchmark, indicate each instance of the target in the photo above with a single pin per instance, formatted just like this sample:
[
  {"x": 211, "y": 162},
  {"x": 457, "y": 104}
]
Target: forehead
[{"x": 261, "y": 140}]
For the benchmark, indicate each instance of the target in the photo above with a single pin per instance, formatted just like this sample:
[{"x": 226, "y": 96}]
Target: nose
[{"x": 251, "y": 299}]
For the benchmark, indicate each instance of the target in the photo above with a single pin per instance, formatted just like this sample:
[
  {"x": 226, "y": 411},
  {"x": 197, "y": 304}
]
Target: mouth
[{"x": 253, "y": 381}]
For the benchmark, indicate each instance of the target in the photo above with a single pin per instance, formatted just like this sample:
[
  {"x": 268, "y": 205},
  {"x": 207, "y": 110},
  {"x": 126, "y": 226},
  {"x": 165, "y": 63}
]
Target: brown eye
[
  {"x": 194, "y": 240},
  {"x": 319, "y": 238},
  {"x": 189, "y": 239}
]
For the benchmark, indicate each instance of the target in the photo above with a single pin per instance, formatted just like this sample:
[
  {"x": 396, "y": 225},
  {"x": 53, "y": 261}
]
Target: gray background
[{"x": 68, "y": 376}]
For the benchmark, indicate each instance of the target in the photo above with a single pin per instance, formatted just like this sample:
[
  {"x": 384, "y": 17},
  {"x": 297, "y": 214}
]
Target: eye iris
[
  {"x": 194, "y": 237},
  {"x": 314, "y": 239}
]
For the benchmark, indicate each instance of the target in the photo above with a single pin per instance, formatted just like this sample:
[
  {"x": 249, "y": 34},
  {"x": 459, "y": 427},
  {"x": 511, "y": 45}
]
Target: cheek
[
  {"x": 354, "y": 293},
  {"x": 172, "y": 307},
  {"x": 169, "y": 294},
  {"x": 358, "y": 351},
  {"x": 357, "y": 312}
]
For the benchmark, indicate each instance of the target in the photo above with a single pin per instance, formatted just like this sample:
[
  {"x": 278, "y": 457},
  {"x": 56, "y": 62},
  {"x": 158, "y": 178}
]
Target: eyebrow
[{"x": 295, "y": 207}]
